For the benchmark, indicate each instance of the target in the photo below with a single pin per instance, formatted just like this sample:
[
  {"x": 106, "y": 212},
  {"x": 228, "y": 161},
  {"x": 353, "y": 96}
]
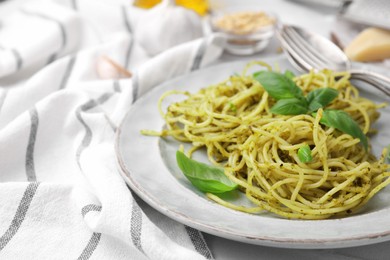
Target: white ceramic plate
[{"x": 149, "y": 167}]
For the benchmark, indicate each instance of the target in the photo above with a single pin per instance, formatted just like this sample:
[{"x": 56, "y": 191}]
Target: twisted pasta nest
[{"x": 258, "y": 149}]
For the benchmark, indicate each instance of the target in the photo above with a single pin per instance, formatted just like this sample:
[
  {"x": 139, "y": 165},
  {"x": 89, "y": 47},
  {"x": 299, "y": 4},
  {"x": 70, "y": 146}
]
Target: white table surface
[{"x": 318, "y": 19}]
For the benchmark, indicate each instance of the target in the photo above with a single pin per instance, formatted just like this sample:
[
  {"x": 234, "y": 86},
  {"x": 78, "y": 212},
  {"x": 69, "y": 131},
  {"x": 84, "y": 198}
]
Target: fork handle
[{"x": 377, "y": 80}]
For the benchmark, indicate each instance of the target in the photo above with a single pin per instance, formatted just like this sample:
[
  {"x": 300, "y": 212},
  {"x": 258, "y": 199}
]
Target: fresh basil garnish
[
  {"x": 289, "y": 74},
  {"x": 291, "y": 101},
  {"x": 342, "y": 121},
  {"x": 320, "y": 98},
  {"x": 205, "y": 177},
  {"x": 278, "y": 85},
  {"x": 289, "y": 106},
  {"x": 304, "y": 154},
  {"x": 282, "y": 87},
  {"x": 232, "y": 107}
]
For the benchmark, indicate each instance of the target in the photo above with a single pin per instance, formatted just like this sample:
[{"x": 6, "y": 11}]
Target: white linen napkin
[
  {"x": 62, "y": 196},
  {"x": 37, "y": 34}
]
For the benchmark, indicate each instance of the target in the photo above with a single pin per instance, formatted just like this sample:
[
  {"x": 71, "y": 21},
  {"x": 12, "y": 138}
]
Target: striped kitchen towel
[
  {"x": 62, "y": 196},
  {"x": 36, "y": 35}
]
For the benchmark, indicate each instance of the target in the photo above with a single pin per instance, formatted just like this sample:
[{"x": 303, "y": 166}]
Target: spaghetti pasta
[{"x": 259, "y": 150}]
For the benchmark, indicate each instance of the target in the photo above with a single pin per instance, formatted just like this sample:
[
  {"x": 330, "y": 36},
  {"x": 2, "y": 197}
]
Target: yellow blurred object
[
  {"x": 199, "y": 6},
  {"x": 146, "y": 3}
]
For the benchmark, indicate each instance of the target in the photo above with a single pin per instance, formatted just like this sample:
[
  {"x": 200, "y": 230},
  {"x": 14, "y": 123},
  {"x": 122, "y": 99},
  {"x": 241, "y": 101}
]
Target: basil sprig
[
  {"x": 289, "y": 106},
  {"x": 290, "y": 98},
  {"x": 279, "y": 86},
  {"x": 289, "y": 74},
  {"x": 205, "y": 177},
  {"x": 320, "y": 98},
  {"x": 342, "y": 121},
  {"x": 304, "y": 154},
  {"x": 291, "y": 101}
]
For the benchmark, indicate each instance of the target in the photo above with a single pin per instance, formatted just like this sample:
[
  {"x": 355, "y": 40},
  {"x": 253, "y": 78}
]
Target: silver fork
[{"x": 307, "y": 51}]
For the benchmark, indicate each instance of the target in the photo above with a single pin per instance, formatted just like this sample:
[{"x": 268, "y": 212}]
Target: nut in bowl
[{"x": 247, "y": 32}]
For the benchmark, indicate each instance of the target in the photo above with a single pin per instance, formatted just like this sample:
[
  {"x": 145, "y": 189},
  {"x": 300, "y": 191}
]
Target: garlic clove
[
  {"x": 165, "y": 26},
  {"x": 108, "y": 69}
]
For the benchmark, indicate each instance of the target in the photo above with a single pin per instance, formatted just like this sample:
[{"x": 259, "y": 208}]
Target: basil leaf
[
  {"x": 344, "y": 122},
  {"x": 232, "y": 107},
  {"x": 289, "y": 74},
  {"x": 205, "y": 177},
  {"x": 290, "y": 106},
  {"x": 304, "y": 154},
  {"x": 321, "y": 97},
  {"x": 278, "y": 85}
]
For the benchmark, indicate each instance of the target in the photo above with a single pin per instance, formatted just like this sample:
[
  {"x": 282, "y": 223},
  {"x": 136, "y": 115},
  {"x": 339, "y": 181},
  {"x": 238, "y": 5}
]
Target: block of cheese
[{"x": 372, "y": 44}]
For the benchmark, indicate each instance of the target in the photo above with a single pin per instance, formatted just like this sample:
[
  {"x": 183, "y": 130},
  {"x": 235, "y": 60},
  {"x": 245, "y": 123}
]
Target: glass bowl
[{"x": 246, "y": 31}]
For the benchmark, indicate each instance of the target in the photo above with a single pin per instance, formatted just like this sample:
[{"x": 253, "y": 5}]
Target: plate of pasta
[{"x": 256, "y": 152}]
